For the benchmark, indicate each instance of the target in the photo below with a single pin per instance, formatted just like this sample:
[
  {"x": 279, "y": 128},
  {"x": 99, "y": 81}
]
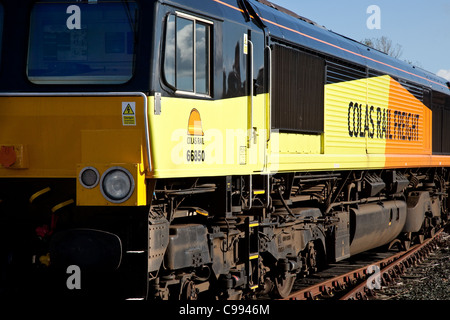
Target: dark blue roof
[{"x": 308, "y": 34}]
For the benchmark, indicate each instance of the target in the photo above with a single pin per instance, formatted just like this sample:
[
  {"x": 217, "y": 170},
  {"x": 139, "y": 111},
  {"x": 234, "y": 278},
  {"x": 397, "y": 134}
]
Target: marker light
[
  {"x": 89, "y": 177},
  {"x": 117, "y": 185}
]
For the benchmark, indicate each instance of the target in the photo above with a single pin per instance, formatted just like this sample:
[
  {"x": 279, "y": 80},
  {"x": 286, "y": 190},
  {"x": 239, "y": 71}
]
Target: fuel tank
[{"x": 376, "y": 224}]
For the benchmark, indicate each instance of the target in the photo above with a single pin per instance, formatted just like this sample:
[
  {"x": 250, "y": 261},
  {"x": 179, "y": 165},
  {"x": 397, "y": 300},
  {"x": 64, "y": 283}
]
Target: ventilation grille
[{"x": 298, "y": 91}]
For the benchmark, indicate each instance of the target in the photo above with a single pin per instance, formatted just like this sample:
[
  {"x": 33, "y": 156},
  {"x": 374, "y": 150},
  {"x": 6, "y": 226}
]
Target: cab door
[{"x": 256, "y": 100}]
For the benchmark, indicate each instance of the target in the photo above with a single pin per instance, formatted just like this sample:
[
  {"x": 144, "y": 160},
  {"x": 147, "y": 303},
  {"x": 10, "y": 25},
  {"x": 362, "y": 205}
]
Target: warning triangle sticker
[{"x": 128, "y": 110}]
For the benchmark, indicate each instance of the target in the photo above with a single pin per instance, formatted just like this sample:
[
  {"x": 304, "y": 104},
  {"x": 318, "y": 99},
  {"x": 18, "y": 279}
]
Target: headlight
[
  {"x": 117, "y": 185},
  {"x": 89, "y": 177}
]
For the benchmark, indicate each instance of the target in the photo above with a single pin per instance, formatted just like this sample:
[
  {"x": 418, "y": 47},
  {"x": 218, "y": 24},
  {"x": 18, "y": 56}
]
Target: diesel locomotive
[{"x": 213, "y": 149}]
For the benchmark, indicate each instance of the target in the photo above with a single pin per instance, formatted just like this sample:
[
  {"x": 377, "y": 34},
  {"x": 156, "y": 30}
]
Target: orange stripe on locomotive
[{"x": 409, "y": 129}]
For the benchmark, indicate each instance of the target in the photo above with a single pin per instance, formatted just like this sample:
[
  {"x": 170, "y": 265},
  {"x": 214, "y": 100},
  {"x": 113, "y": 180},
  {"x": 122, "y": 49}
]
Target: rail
[{"x": 358, "y": 283}]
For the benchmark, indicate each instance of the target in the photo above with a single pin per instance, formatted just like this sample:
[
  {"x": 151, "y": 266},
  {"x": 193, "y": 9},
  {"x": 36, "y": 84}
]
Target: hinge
[{"x": 157, "y": 103}]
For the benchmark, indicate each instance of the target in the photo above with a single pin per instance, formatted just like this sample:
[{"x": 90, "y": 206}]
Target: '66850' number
[{"x": 195, "y": 155}]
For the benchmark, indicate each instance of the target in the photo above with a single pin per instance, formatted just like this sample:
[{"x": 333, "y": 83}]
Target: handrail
[
  {"x": 269, "y": 111},
  {"x": 252, "y": 135}
]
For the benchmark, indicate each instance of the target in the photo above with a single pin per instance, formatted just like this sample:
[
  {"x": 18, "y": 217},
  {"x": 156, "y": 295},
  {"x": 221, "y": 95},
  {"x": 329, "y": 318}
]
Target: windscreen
[{"x": 82, "y": 42}]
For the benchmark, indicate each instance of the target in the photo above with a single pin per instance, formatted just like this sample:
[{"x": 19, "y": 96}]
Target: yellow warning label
[
  {"x": 128, "y": 110},
  {"x": 128, "y": 113},
  {"x": 129, "y": 121}
]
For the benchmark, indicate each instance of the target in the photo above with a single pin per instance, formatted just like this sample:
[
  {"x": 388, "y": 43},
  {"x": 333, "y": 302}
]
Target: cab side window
[{"x": 187, "y": 52}]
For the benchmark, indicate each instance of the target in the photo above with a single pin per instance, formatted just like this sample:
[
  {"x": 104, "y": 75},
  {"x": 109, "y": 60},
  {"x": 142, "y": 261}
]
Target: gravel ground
[{"x": 430, "y": 280}]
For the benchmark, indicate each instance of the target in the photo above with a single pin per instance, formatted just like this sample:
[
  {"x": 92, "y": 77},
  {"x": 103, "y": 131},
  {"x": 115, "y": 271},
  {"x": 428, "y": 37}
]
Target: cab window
[
  {"x": 187, "y": 47},
  {"x": 82, "y": 42}
]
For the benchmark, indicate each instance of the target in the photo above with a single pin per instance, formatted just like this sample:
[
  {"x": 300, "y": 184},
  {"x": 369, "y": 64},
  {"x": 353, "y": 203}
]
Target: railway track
[{"x": 357, "y": 278}]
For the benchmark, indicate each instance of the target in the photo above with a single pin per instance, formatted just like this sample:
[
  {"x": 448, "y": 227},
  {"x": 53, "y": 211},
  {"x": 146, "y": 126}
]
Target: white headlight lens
[{"x": 117, "y": 185}]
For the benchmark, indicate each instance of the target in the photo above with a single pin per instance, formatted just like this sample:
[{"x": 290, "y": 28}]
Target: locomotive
[{"x": 181, "y": 149}]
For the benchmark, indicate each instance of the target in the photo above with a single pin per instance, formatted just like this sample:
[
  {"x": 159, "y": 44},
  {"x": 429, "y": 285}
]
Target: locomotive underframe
[
  {"x": 306, "y": 221},
  {"x": 235, "y": 236}
]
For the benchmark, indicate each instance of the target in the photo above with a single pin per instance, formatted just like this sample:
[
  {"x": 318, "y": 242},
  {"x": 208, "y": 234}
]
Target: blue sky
[{"x": 421, "y": 27}]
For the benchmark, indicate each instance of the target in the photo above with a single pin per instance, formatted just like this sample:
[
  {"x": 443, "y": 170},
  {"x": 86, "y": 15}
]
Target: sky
[{"x": 421, "y": 27}]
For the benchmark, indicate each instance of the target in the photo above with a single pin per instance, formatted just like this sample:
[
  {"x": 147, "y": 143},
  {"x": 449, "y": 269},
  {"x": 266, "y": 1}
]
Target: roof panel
[{"x": 290, "y": 26}]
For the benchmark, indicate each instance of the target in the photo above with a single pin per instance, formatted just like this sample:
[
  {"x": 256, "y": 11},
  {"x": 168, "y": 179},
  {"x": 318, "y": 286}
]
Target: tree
[{"x": 384, "y": 44}]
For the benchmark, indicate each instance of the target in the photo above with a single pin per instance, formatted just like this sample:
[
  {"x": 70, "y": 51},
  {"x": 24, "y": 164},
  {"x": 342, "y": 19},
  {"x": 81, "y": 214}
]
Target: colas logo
[{"x": 195, "y": 138}]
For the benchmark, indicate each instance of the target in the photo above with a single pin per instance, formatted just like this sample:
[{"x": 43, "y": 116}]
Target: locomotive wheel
[
  {"x": 431, "y": 232},
  {"x": 406, "y": 242},
  {"x": 190, "y": 292},
  {"x": 405, "y": 245},
  {"x": 420, "y": 238},
  {"x": 283, "y": 286},
  {"x": 312, "y": 257},
  {"x": 309, "y": 259}
]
